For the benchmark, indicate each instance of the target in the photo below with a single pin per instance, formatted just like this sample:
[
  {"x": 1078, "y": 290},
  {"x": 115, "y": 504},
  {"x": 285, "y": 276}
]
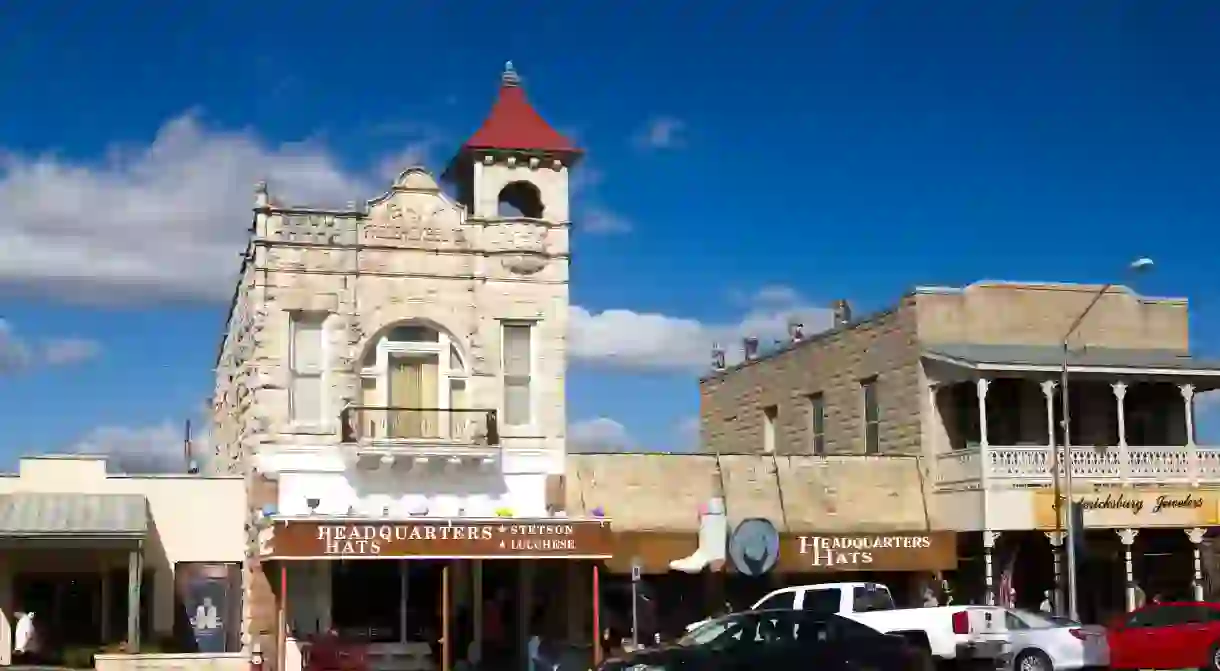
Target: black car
[{"x": 777, "y": 640}]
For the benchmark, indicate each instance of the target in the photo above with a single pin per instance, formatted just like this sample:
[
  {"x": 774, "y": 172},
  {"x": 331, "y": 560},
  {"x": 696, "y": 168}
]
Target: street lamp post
[{"x": 1138, "y": 265}]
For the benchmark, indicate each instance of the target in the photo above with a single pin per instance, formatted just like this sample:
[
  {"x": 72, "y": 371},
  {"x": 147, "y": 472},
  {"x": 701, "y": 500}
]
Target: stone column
[
  {"x": 1056, "y": 538},
  {"x": 1196, "y": 539},
  {"x": 1124, "y": 459},
  {"x": 989, "y": 541},
  {"x": 1127, "y": 538}
]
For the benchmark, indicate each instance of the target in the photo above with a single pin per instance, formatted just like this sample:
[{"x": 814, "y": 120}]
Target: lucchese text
[
  {"x": 855, "y": 550},
  {"x": 373, "y": 539},
  {"x": 1136, "y": 505}
]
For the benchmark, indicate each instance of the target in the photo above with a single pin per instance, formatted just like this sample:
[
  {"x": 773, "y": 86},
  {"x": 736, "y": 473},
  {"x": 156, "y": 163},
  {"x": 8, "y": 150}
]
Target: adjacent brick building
[{"x": 968, "y": 381}]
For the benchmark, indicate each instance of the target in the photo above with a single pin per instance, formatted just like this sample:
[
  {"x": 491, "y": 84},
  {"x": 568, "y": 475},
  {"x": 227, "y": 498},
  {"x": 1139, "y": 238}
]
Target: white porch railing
[{"x": 1023, "y": 466}]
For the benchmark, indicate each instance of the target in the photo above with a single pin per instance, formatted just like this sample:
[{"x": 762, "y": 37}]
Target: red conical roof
[{"x": 514, "y": 124}]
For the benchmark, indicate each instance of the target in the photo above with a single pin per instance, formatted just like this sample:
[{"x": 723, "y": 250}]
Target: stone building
[
  {"x": 399, "y": 362},
  {"x": 968, "y": 381}
]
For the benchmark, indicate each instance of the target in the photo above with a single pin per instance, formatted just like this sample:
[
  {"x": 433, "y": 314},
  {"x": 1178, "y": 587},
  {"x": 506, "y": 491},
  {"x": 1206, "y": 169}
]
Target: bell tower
[{"x": 515, "y": 165}]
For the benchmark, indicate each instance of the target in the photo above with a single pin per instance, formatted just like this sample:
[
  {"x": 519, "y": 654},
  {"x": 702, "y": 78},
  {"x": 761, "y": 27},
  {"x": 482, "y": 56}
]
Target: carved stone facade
[{"x": 464, "y": 269}]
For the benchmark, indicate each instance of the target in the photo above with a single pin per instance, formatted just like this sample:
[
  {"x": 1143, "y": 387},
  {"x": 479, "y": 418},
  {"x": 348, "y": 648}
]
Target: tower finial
[{"x": 510, "y": 76}]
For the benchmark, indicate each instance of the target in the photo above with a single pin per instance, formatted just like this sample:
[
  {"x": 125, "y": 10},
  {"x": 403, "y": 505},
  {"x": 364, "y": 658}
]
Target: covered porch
[
  {"x": 77, "y": 562},
  {"x": 997, "y": 414}
]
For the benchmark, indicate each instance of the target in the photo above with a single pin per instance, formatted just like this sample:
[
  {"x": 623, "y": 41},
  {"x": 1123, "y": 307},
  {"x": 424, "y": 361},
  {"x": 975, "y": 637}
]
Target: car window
[
  {"x": 1150, "y": 616},
  {"x": 842, "y": 629},
  {"x": 1185, "y": 614},
  {"x": 1014, "y": 623},
  {"x": 822, "y": 601},
  {"x": 721, "y": 631},
  {"x": 866, "y": 599},
  {"x": 781, "y": 601},
  {"x": 1034, "y": 620}
]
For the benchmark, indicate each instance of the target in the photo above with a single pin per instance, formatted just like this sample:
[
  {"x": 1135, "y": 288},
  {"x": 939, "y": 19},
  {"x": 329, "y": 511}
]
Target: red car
[{"x": 1178, "y": 635}]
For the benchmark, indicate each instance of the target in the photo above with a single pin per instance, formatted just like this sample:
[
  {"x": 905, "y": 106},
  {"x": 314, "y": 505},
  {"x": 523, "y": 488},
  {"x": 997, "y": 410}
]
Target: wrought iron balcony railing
[{"x": 464, "y": 426}]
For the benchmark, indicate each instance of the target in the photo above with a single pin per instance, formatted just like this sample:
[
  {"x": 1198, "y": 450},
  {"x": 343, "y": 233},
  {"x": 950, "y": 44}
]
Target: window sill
[
  {"x": 523, "y": 431},
  {"x": 310, "y": 429}
]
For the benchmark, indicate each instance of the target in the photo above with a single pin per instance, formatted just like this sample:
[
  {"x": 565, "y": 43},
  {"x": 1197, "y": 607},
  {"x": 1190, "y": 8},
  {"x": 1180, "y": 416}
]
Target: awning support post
[{"x": 135, "y": 575}]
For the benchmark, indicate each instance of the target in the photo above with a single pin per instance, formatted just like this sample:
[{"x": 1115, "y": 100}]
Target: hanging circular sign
[{"x": 754, "y": 546}]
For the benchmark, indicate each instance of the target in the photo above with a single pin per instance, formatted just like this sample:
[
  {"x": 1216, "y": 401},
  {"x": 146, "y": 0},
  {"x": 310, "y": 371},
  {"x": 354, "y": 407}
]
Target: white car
[{"x": 1045, "y": 642}]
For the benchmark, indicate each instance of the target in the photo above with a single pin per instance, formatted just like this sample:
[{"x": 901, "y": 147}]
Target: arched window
[
  {"x": 416, "y": 377},
  {"x": 520, "y": 199}
]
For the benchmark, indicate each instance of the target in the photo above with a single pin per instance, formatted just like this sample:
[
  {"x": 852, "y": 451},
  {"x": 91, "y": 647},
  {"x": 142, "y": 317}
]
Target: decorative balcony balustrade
[
  {"x": 1031, "y": 466},
  {"x": 420, "y": 431}
]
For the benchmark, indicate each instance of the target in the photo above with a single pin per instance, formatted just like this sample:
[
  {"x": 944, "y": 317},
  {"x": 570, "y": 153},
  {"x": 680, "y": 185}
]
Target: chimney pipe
[
  {"x": 749, "y": 348},
  {"x": 717, "y": 357},
  {"x": 842, "y": 313}
]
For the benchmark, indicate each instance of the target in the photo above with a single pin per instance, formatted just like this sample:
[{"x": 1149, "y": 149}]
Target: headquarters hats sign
[{"x": 754, "y": 546}]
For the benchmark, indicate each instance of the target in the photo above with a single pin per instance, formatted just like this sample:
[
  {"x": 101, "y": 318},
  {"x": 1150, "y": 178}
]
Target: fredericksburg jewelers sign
[
  {"x": 442, "y": 539},
  {"x": 1153, "y": 507}
]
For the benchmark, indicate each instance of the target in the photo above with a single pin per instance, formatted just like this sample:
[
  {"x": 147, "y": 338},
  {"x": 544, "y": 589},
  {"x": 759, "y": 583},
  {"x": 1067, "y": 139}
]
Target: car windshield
[{"x": 729, "y": 626}]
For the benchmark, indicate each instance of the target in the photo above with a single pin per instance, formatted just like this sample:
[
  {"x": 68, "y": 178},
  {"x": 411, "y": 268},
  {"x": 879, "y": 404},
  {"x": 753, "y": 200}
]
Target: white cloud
[
  {"x": 163, "y": 221},
  {"x": 601, "y": 221},
  {"x": 156, "y": 448},
  {"x": 599, "y": 435},
  {"x": 18, "y": 354},
  {"x": 65, "y": 351},
  {"x": 166, "y": 221},
  {"x": 657, "y": 342},
  {"x": 687, "y": 434},
  {"x": 662, "y": 132}
]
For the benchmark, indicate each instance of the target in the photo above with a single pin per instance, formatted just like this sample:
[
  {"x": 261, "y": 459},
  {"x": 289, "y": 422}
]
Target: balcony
[
  {"x": 418, "y": 434},
  {"x": 1010, "y": 466}
]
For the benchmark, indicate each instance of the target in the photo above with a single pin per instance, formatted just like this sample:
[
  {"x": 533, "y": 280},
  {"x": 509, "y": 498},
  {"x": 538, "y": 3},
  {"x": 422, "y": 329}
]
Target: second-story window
[
  {"x": 518, "y": 366},
  {"x": 770, "y": 415},
  {"x": 817, "y": 423},
  {"x": 306, "y": 397},
  {"x": 872, "y": 416}
]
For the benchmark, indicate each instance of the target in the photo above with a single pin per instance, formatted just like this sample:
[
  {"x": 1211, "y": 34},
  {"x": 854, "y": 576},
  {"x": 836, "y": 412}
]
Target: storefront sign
[
  {"x": 437, "y": 539},
  {"x": 1137, "y": 508},
  {"x": 930, "y": 551}
]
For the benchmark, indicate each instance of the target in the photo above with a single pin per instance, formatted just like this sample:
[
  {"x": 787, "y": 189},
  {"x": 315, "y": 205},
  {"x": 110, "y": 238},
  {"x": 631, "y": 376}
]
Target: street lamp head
[{"x": 1141, "y": 264}]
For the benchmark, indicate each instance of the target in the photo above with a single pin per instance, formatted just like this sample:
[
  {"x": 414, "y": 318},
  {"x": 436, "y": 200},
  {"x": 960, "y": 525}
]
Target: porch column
[
  {"x": 982, "y": 385},
  {"x": 477, "y": 610},
  {"x": 1196, "y": 539},
  {"x": 1124, "y": 459},
  {"x": 1056, "y": 538},
  {"x": 104, "y": 623},
  {"x": 1048, "y": 392},
  {"x": 1127, "y": 538},
  {"x": 135, "y": 574},
  {"x": 989, "y": 540},
  {"x": 1188, "y": 398}
]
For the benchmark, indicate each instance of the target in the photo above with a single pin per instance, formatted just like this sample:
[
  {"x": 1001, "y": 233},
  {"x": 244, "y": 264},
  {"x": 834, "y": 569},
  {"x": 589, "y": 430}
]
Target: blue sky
[{"x": 743, "y": 161}]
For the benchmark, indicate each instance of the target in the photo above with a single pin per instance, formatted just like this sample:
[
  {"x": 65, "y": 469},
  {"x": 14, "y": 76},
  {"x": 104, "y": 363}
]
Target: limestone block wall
[
  {"x": 831, "y": 364},
  {"x": 1011, "y": 313}
]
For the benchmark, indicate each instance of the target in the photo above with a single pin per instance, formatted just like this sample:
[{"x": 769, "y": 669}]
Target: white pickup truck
[{"x": 948, "y": 633}]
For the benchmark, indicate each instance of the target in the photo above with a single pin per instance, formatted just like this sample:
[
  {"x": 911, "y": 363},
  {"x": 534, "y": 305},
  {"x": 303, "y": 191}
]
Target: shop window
[{"x": 207, "y": 607}]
